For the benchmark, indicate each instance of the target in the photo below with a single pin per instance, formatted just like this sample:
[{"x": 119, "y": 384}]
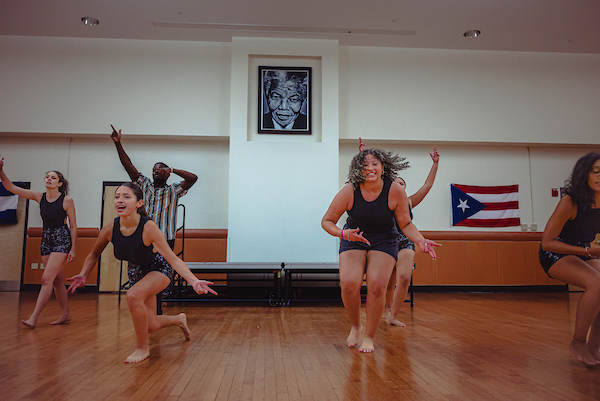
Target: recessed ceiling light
[
  {"x": 473, "y": 33},
  {"x": 90, "y": 21}
]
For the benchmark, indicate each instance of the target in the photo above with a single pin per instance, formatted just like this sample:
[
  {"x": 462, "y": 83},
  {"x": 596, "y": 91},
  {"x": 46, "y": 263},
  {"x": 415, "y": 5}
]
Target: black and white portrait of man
[{"x": 285, "y": 100}]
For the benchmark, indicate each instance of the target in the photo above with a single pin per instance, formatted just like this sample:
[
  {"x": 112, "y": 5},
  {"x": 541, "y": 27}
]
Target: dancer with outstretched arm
[{"x": 135, "y": 238}]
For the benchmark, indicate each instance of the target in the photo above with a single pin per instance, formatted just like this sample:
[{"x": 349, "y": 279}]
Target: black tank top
[
  {"x": 582, "y": 229},
  {"x": 53, "y": 213},
  {"x": 131, "y": 248},
  {"x": 373, "y": 217}
]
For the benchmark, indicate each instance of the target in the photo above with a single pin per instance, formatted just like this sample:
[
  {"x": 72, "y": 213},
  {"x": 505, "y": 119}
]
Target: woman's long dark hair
[
  {"x": 577, "y": 185},
  {"x": 392, "y": 164},
  {"x": 137, "y": 192},
  {"x": 64, "y": 188}
]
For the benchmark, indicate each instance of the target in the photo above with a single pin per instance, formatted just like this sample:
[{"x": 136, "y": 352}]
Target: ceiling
[{"x": 565, "y": 26}]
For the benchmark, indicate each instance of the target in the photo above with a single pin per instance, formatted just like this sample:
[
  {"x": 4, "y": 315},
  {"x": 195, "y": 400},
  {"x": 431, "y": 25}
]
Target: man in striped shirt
[{"x": 160, "y": 199}]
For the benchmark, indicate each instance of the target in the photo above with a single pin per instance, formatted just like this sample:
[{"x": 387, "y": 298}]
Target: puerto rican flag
[
  {"x": 8, "y": 206},
  {"x": 476, "y": 206}
]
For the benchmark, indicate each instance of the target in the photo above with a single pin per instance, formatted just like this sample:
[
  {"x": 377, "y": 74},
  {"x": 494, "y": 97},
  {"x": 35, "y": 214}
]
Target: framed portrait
[{"x": 284, "y": 100}]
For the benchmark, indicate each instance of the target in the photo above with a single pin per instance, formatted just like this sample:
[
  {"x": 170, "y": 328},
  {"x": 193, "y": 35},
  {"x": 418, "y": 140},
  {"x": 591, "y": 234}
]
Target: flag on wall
[
  {"x": 8, "y": 206},
  {"x": 476, "y": 206}
]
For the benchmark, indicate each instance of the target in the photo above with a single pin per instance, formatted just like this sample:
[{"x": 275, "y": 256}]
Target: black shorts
[
  {"x": 136, "y": 273},
  {"x": 56, "y": 240},
  {"x": 379, "y": 242},
  {"x": 547, "y": 259}
]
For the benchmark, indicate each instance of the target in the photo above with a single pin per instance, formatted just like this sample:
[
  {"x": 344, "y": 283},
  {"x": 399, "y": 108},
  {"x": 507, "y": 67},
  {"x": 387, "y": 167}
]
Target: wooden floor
[{"x": 456, "y": 347}]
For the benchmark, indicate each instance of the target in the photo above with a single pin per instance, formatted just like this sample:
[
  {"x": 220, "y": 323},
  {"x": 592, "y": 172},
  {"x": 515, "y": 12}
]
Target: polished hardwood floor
[{"x": 455, "y": 347}]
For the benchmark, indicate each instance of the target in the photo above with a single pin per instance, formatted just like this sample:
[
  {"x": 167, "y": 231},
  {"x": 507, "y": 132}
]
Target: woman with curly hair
[
  {"x": 569, "y": 252},
  {"x": 58, "y": 239},
  {"x": 369, "y": 240},
  {"x": 138, "y": 240}
]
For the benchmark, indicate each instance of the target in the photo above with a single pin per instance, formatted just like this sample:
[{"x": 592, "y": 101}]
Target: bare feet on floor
[
  {"x": 395, "y": 322},
  {"x": 595, "y": 352},
  {"x": 354, "y": 336},
  {"x": 183, "y": 325},
  {"x": 62, "y": 319},
  {"x": 367, "y": 345},
  {"x": 138, "y": 355},
  {"x": 580, "y": 350},
  {"x": 29, "y": 323}
]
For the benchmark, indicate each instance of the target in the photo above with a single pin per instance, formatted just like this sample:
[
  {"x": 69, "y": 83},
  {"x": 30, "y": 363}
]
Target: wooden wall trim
[
  {"x": 203, "y": 233},
  {"x": 434, "y": 235},
  {"x": 81, "y": 232},
  {"x": 482, "y": 235}
]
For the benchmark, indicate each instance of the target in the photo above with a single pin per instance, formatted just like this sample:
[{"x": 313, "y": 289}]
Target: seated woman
[{"x": 569, "y": 252}]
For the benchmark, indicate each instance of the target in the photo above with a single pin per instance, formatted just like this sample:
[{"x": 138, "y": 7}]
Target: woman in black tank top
[
  {"x": 369, "y": 239},
  {"x": 135, "y": 237},
  {"x": 570, "y": 249},
  {"x": 58, "y": 239}
]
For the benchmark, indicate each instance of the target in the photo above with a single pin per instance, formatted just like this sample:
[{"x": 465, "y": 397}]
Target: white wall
[
  {"x": 281, "y": 185},
  {"x": 86, "y": 163},
  {"x": 469, "y": 96},
  {"x": 75, "y": 86},
  {"x": 496, "y": 117},
  {"x": 535, "y": 169}
]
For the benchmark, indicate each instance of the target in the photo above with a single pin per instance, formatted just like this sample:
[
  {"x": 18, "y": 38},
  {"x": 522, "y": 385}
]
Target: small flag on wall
[
  {"x": 8, "y": 206},
  {"x": 476, "y": 206}
]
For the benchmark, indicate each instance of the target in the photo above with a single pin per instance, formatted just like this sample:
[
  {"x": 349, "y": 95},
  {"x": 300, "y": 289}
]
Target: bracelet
[
  {"x": 587, "y": 250},
  {"x": 342, "y": 234}
]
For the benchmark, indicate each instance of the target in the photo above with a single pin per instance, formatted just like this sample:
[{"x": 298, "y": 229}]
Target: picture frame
[{"x": 284, "y": 99}]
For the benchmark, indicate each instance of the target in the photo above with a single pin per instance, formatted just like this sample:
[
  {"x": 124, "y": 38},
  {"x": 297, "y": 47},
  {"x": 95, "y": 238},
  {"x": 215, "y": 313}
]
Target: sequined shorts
[
  {"x": 547, "y": 259},
  {"x": 136, "y": 273},
  {"x": 405, "y": 242},
  {"x": 55, "y": 240}
]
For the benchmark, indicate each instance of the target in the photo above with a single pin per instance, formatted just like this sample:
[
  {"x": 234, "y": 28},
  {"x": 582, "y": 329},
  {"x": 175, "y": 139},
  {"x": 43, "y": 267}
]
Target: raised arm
[
  {"x": 125, "y": 160},
  {"x": 69, "y": 207},
  {"x": 398, "y": 202},
  {"x": 91, "y": 259},
  {"x": 418, "y": 196},
  {"x": 153, "y": 235},
  {"x": 25, "y": 193},
  {"x": 189, "y": 179}
]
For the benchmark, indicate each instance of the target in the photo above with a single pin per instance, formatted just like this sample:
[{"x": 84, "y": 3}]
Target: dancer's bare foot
[
  {"x": 580, "y": 350},
  {"x": 138, "y": 355},
  {"x": 367, "y": 345},
  {"x": 395, "y": 322},
  {"x": 29, "y": 323},
  {"x": 387, "y": 314},
  {"x": 354, "y": 336},
  {"x": 62, "y": 319},
  {"x": 183, "y": 325},
  {"x": 595, "y": 352}
]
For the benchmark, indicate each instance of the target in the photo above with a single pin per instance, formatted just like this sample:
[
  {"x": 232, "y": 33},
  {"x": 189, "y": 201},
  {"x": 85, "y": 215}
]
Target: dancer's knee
[
  {"x": 134, "y": 297},
  {"x": 404, "y": 280}
]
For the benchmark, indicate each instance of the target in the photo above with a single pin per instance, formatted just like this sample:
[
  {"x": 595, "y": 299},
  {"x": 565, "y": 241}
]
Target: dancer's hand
[
  {"x": 354, "y": 234},
  {"x": 202, "y": 287},
  {"x": 434, "y": 155},
  {"x": 1, "y": 163},
  {"x": 361, "y": 146},
  {"x": 71, "y": 255},
  {"x": 426, "y": 246},
  {"x": 115, "y": 135},
  {"x": 77, "y": 281}
]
